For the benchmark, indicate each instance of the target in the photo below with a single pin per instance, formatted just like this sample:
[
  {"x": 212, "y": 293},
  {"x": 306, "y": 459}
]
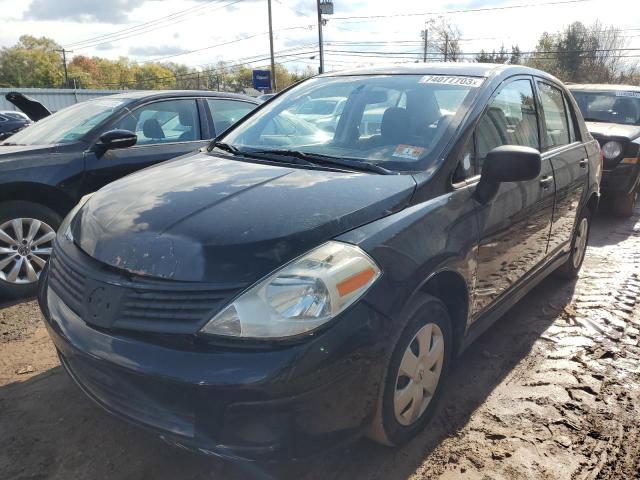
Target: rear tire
[
  {"x": 27, "y": 231},
  {"x": 417, "y": 367},
  {"x": 571, "y": 268},
  {"x": 625, "y": 204}
]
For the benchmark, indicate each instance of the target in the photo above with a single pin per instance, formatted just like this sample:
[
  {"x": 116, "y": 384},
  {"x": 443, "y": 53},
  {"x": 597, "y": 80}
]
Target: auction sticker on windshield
[
  {"x": 628, "y": 94},
  {"x": 452, "y": 80},
  {"x": 408, "y": 151}
]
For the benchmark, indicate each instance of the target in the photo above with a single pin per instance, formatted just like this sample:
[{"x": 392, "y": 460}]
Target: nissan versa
[{"x": 286, "y": 291}]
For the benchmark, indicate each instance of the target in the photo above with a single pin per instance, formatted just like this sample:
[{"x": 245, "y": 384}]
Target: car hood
[
  {"x": 31, "y": 107},
  {"x": 211, "y": 219},
  {"x": 602, "y": 129},
  {"x": 12, "y": 156}
]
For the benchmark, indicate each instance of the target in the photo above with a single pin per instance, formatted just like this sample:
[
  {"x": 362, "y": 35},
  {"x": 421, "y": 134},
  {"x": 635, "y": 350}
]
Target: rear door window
[
  {"x": 227, "y": 112},
  {"x": 555, "y": 116}
]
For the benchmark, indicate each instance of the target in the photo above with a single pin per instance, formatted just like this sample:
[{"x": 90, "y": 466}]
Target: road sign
[{"x": 262, "y": 79}]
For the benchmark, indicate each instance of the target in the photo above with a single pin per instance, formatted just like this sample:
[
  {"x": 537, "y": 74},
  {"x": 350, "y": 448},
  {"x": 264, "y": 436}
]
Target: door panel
[
  {"x": 514, "y": 227},
  {"x": 567, "y": 156},
  {"x": 165, "y": 129}
]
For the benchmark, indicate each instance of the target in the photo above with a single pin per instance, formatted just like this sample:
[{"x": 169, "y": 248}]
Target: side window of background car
[
  {"x": 555, "y": 115},
  {"x": 227, "y": 112},
  {"x": 164, "y": 122},
  {"x": 510, "y": 119}
]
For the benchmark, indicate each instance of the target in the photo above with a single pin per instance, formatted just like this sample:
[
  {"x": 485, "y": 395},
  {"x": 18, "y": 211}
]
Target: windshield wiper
[
  {"x": 227, "y": 147},
  {"x": 319, "y": 159}
]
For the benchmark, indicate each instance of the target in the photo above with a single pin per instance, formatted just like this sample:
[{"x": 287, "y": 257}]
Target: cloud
[
  {"x": 103, "y": 47},
  {"x": 99, "y": 11},
  {"x": 153, "y": 50}
]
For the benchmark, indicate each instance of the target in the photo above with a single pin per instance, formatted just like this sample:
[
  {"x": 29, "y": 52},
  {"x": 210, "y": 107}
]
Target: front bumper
[
  {"x": 271, "y": 403},
  {"x": 622, "y": 179}
]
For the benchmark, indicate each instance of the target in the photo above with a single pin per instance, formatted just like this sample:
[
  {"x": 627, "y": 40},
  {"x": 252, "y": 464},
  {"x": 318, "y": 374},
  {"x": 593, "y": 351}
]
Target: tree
[
  {"x": 31, "y": 62},
  {"x": 446, "y": 41},
  {"x": 583, "y": 54},
  {"x": 502, "y": 56}
]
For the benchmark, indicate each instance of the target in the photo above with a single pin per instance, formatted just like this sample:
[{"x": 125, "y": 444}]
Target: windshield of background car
[
  {"x": 395, "y": 121},
  {"x": 69, "y": 124},
  {"x": 610, "y": 107}
]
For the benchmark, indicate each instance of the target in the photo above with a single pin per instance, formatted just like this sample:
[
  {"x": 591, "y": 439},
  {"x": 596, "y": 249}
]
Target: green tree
[{"x": 31, "y": 62}]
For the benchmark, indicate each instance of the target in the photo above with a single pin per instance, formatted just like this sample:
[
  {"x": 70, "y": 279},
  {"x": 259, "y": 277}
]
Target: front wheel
[
  {"x": 571, "y": 268},
  {"x": 27, "y": 231},
  {"x": 417, "y": 366}
]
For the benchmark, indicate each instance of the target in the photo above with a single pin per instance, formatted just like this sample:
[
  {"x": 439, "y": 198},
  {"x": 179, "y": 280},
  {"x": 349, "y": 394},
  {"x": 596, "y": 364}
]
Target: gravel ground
[{"x": 551, "y": 391}]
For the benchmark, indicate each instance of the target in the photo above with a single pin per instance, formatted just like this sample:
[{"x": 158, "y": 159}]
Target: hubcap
[
  {"x": 418, "y": 374},
  {"x": 580, "y": 245},
  {"x": 25, "y": 247}
]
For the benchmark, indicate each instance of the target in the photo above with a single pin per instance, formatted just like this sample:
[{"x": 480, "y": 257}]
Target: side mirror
[
  {"x": 115, "y": 139},
  {"x": 508, "y": 163}
]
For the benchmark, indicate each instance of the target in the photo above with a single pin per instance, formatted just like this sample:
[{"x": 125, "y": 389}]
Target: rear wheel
[
  {"x": 418, "y": 364},
  {"x": 625, "y": 204},
  {"x": 27, "y": 231},
  {"x": 571, "y": 268}
]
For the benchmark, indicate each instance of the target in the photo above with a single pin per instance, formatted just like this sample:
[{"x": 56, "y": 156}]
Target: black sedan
[
  {"x": 12, "y": 122},
  {"x": 280, "y": 294},
  {"x": 46, "y": 168},
  {"x": 612, "y": 113}
]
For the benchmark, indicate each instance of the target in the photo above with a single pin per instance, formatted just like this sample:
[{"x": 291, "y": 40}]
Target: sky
[{"x": 201, "y": 33}]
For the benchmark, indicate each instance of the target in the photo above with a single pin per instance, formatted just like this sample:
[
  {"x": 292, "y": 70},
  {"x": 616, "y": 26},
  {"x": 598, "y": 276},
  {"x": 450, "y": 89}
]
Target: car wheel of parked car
[
  {"x": 417, "y": 366},
  {"x": 579, "y": 242},
  {"x": 27, "y": 231},
  {"x": 625, "y": 204}
]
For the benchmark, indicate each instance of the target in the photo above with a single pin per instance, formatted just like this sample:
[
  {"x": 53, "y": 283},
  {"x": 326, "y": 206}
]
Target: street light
[{"x": 325, "y": 7}]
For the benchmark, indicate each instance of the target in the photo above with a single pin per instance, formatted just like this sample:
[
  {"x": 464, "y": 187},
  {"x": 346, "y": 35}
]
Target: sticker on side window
[
  {"x": 453, "y": 80},
  {"x": 408, "y": 151},
  {"x": 628, "y": 94}
]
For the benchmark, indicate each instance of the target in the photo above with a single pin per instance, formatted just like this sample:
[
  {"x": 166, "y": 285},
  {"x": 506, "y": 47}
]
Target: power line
[
  {"x": 143, "y": 28},
  {"x": 466, "y": 10}
]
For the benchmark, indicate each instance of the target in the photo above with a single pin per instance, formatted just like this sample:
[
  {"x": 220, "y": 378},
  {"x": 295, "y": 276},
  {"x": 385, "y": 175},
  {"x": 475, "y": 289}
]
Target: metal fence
[{"x": 54, "y": 98}]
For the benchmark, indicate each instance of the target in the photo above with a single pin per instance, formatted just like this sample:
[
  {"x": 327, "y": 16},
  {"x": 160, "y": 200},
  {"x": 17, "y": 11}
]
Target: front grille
[
  {"x": 67, "y": 283},
  {"x": 133, "y": 302}
]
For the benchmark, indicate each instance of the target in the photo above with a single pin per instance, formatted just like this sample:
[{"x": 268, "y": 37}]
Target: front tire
[
  {"x": 27, "y": 231},
  {"x": 571, "y": 268},
  {"x": 414, "y": 376}
]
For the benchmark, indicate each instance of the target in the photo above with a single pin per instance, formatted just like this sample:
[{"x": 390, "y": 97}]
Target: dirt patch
[{"x": 551, "y": 391}]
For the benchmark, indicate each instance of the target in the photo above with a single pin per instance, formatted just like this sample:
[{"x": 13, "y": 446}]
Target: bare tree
[{"x": 446, "y": 41}]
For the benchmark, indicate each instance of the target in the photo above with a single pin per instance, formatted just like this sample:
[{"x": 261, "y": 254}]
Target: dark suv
[
  {"x": 46, "y": 168},
  {"x": 612, "y": 113},
  {"x": 293, "y": 288}
]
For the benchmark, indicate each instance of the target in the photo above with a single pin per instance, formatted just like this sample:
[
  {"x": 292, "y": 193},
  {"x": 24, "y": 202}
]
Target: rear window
[{"x": 609, "y": 107}]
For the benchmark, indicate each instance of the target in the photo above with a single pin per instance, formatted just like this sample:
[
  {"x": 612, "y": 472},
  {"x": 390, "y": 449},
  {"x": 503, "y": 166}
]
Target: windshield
[
  {"x": 394, "y": 121},
  {"x": 68, "y": 124},
  {"x": 610, "y": 107}
]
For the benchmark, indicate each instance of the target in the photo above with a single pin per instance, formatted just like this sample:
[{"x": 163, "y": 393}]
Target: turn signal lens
[
  {"x": 303, "y": 295},
  {"x": 630, "y": 160}
]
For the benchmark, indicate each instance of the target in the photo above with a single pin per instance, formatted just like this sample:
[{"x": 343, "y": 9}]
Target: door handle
[
  {"x": 584, "y": 162},
  {"x": 546, "y": 181}
]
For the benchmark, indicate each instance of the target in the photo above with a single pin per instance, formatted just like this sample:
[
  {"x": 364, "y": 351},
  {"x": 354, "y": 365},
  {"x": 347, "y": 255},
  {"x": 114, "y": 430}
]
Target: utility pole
[
  {"x": 64, "y": 64},
  {"x": 273, "y": 61},
  {"x": 446, "y": 46},
  {"x": 320, "y": 46},
  {"x": 425, "y": 34}
]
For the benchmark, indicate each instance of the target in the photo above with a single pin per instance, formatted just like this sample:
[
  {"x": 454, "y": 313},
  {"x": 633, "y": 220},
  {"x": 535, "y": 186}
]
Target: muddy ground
[{"x": 551, "y": 391}]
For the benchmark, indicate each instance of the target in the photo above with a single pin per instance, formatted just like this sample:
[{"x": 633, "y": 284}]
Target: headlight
[
  {"x": 65, "y": 226},
  {"x": 301, "y": 296},
  {"x": 611, "y": 149}
]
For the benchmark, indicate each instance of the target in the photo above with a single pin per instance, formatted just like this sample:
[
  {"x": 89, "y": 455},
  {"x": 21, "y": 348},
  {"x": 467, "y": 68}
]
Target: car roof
[
  {"x": 603, "y": 87},
  {"x": 155, "y": 94},
  {"x": 444, "y": 68}
]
